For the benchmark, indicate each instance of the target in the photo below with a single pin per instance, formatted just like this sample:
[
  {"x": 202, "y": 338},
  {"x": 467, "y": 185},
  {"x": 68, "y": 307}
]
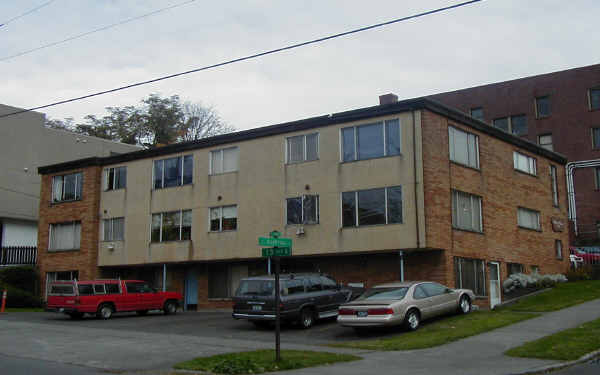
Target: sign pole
[{"x": 277, "y": 312}]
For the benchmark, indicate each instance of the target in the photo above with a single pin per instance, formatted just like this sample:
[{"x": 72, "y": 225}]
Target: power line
[
  {"x": 20, "y": 192},
  {"x": 26, "y": 13},
  {"x": 94, "y": 31},
  {"x": 260, "y": 54}
]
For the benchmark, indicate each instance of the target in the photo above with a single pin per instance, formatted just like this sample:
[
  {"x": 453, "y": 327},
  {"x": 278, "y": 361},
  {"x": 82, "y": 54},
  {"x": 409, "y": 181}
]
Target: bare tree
[{"x": 201, "y": 122}]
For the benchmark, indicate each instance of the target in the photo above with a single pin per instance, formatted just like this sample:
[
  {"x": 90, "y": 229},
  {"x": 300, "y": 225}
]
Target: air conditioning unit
[
  {"x": 111, "y": 247},
  {"x": 300, "y": 231}
]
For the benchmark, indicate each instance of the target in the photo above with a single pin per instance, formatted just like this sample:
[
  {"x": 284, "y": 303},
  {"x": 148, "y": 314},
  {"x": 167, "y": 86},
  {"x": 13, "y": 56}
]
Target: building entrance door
[
  {"x": 191, "y": 289},
  {"x": 495, "y": 292}
]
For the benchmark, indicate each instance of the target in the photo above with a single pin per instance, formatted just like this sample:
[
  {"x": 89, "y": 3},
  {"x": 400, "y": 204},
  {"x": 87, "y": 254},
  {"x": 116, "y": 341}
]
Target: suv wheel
[
  {"x": 307, "y": 318},
  {"x": 105, "y": 311},
  {"x": 170, "y": 308}
]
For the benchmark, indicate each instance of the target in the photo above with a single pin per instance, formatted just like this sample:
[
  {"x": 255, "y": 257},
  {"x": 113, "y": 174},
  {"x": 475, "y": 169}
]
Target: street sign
[
  {"x": 275, "y": 242},
  {"x": 276, "y": 252}
]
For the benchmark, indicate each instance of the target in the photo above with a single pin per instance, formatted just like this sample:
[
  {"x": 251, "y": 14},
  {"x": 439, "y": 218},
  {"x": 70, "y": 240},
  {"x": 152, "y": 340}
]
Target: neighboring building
[
  {"x": 402, "y": 190},
  {"x": 560, "y": 111},
  {"x": 25, "y": 144}
]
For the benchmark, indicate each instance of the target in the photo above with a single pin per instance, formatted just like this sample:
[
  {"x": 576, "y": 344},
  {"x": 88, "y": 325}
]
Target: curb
[{"x": 558, "y": 366}]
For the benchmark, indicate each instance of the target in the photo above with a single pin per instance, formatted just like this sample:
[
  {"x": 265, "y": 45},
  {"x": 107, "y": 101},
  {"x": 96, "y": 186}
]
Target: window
[
  {"x": 554, "y": 185},
  {"x": 99, "y": 289},
  {"x": 524, "y": 163},
  {"x": 466, "y": 211},
  {"x": 172, "y": 226},
  {"x": 514, "y": 268},
  {"x": 328, "y": 284},
  {"x": 594, "y": 98},
  {"x": 371, "y": 207},
  {"x": 115, "y": 178},
  {"x": 470, "y": 274},
  {"x": 529, "y": 219},
  {"x": 371, "y": 140},
  {"x": 464, "y": 147},
  {"x": 114, "y": 229},
  {"x": 303, "y": 210},
  {"x": 596, "y": 138},
  {"x": 545, "y": 141},
  {"x": 558, "y": 247},
  {"x": 302, "y": 148},
  {"x": 223, "y": 218},
  {"x": 516, "y": 124},
  {"x": 535, "y": 269},
  {"x": 173, "y": 172},
  {"x": 65, "y": 236},
  {"x": 542, "y": 106},
  {"x": 67, "y": 188},
  {"x": 419, "y": 292},
  {"x": 85, "y": 289},
  {"x": 597, "y": 177},
  {"x": 314, "y": 284},
  {"x": 224, "y": 161},
  {"x": 113, "y": 289},
  {"x": 433, "y": 289},
  {"x": 477, "y": 113}
]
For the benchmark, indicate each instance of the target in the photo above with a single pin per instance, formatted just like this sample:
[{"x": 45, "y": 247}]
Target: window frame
[
  {"x": 181, "y": 180},
  {"x": 112, "y": 230},
  {"x": 590, "y": 102},
  {"x": 221, "y": 151},
  {"x": 554, "y": 185},
  {"x": 529, "y": 159},
  {"x": 544, "y": 145},
  {"x": 355, "y": 128},
  {"x": 304, "y": 148},
  {"x": 115, "y": 170},
  {"x": 356, "y": 207},
  {"x": 537, "y": 108},
  {"x": 459, "y": 276},
  {"x": 303, "y": 219},
  {"x": 455, "y": 194},
  {"x": 452, "y": 132},
  {"x": 221, "y": 219},
  {"x": 161, "y": 225},
  {"x": 539, "y": 219},
  {"x": 509, "y": 121},
  {"x": 477, "y": 109},
  {"x": 51, "y": 235},
  {"x": 78, "y": 193},
  {"x": 595, "y": 140},
  {"x": 597, "y": 177},
  {"x": 558, "y": 249}
]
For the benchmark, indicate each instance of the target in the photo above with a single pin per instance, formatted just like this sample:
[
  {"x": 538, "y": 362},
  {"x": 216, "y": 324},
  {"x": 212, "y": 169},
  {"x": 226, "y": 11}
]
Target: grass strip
[
  {"x": 562, "y": 296},
  {"x": 565, "y": 345},
  {"x": 442, "y": 331},
  {"x": 259, "y": 361}
]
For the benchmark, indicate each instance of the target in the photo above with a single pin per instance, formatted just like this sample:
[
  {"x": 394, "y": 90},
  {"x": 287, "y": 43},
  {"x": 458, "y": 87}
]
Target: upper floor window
[
  {"x": 223, "y": 218},
  {"x": 516, "y": 124},
  {"x": 172, "y": 226},
  {"x": 597, "y": 177},
  {"x": 65, "y": 236},
  {"x": 371, "y": 140},
  {"x": 224, "y": 160},
  {"x": 371, "y": 207},
  {"x": 477, "y": 113},
  {"x": 527, "y": 218},
  {"x": 466, "y": 211},
  {"x": 545, "y": 141},
  {"x": 114, "y": 229},
  {"x": 464, "y": 147},
  {"x": 302, "y": 148},
  {"x": 173, "y": 172},
  {"x": 115, "y": 178},
  {"x": 524, "y": 163},
  {"x": 594, "y": 98},
  {"x": 67, "y": 187},
  {"x": 542, "y": 106},
  {"x": 554, "y": 185},
  {"x": 303, "y": 210},
  {"x": 596, "y": 138}
]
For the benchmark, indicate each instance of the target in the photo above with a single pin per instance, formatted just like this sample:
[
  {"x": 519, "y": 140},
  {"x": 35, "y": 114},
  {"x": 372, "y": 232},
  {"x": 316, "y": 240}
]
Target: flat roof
[{"x": 311, "y": 123}]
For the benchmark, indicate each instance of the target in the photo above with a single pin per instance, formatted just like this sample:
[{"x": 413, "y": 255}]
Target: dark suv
[{"x": 304, "y": 298}]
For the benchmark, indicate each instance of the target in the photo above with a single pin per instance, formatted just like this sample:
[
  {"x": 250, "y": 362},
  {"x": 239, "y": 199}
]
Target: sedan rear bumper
[{"x": 369, "y": 321}]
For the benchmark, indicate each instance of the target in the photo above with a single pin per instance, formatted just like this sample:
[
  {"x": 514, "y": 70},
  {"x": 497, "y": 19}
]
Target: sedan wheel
[
  {"x": 412, "y": 320},
  {"x": 464, "y": 305}
]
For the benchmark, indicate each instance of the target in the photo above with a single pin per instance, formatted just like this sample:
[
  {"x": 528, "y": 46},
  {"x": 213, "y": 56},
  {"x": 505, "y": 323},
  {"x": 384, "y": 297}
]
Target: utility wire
[
  {"x": 293, "y": 46},
  {"x": 26, "y": 13},
  {"x": 94, "y": 31},
  {"x": 19, "y": 192}
]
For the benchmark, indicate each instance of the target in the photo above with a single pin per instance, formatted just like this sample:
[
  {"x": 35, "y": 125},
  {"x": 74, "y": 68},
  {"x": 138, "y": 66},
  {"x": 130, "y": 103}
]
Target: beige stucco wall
[{"x": 259, "y": 188}]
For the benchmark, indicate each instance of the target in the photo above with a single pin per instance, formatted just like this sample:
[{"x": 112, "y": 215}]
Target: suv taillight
[
  {"x": 346, "y": 312},
  {"x": 386, "y": 311}
]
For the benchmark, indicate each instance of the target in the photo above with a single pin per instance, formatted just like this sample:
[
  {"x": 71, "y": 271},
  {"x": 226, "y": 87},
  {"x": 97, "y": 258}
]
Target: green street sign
[
  {"x": 276, "y": 252},
  {"x": 275, "y": 242}
]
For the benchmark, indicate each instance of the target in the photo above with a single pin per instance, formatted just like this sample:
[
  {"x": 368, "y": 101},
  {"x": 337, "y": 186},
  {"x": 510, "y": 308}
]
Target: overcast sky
[{"x": 489, "y": 41}]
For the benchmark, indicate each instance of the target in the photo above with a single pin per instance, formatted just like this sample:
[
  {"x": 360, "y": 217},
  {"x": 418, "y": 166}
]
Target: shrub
[
  {"x": 580, "y": 274},
  {"x": 25, "y": 278},
  {"x": 20, "y": 298}
]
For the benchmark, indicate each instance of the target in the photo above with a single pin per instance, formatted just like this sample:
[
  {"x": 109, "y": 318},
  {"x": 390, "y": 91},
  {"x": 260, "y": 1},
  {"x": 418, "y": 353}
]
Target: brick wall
[{"x": 85, "y": 210}]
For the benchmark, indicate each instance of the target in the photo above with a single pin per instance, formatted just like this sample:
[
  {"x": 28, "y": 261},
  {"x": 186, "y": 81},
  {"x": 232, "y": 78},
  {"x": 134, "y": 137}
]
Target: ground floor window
[
  {"x": 224, "y": 279},
  {"x": 514, "y": 268},
  {"x": 470, "y": 274}
]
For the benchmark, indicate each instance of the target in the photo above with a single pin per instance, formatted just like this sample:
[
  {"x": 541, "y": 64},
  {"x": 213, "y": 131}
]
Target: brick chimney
[{"x": 388, "y": 99}]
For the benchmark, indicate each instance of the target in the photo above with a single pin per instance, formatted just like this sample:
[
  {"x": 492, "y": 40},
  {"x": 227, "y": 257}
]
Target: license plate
[
  {"x": 362, "y": 314},
  {"x": 256, "y": 308}
]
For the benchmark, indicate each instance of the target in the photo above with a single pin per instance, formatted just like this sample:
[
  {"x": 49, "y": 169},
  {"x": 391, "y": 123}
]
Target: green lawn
[
  {"x": 23, "y": 309},
  {"x": 442, "y": 331},
  {"x": 562, "y": 296},
  {"x": 566, "y": 345},
  {"x": 260, "y": 361}
]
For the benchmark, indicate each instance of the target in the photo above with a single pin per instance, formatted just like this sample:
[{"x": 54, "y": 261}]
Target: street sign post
[{"x": 279, "y": 247}]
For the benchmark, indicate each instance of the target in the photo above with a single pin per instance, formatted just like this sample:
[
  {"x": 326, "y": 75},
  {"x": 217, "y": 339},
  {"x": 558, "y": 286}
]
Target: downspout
[
  {"x": 415, "y": 184},
  {"x": 570, "y": 170}
]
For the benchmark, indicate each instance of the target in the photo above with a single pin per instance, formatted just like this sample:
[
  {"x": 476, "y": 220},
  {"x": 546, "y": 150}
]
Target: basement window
[{"x": 470, "y": 274}]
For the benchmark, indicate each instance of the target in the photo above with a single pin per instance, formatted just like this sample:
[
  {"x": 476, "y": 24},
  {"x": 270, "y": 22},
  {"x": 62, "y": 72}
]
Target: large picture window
[
  {"x": 67, "y": 187},
  {"x": 524, "y": 163},
  {"x": 65, "y": 236},
  {"x": 173, "y": 172},
  {"x": 529, "y": 219},
  {"x": 115, "y": 178},
  {"x": 464, "y": 147},
  {"x": 172, "y": 226},
  {"x": 470, "y": 274},
  {"x": 224, "y": 161},
  {"x": 223, "y": 218},
  {"x": 371, "y": 140},
  {"x": 114, "y": 229},
  {"x": 302, "y": 148},
  {"x": 303, "y": 210},
  {"x": 466, "y": 211},
  {"x": 372, "y": 207}
]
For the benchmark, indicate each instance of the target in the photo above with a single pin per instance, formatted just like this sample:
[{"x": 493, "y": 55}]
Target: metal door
[
  {"x": 495, "y": 293},
  {"x": 191, "y": 289}
]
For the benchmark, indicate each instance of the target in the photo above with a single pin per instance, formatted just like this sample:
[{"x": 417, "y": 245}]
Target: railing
[{"x": 18, "y": 255}]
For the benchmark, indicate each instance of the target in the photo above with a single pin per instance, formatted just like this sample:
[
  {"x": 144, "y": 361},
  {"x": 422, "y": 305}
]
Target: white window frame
[
  {"x": 162, "y": 179},
  {"x": 51, "y": 236},
  {"x": 452, "y": 133},
  {"x": 221, "y": 218},
  {"x": 115, "y": 169},
  {"x": 317, "y": 208},
  {"x": 554, "y": 185},
  {"x": 78, "y": 181},
  {"x": 472, "y": 197},
  {"x": 304, "y": 148},
  {"x": 559, "y": 249},
  {"x": 111, "y": 222},
  {"x": 356, "y": 204},
  {"x": 529, "y": 210},
  {"x": 531, "y": 163},
  {"x": 383, "y": 127},
  {"x": 547, "y": 146},
  {"x": 211, "y": 169},
  {"x": 161, "y": 225}
]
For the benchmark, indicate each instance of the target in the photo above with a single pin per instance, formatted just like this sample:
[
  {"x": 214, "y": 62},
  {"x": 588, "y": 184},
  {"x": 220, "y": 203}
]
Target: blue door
[{"x": 191, "y": 289}]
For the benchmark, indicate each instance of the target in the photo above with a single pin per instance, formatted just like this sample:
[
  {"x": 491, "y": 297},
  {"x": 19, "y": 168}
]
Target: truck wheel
[
  {"x": 170, "y": 308},
  {"x": 307, "y": 318},
  {"x": 105, "y": 311}
]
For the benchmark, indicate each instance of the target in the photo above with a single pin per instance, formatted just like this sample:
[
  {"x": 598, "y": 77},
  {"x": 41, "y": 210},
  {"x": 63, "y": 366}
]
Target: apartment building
[
  {"x": 403, "y": 190},
  {"x": 560, "y": 111}
]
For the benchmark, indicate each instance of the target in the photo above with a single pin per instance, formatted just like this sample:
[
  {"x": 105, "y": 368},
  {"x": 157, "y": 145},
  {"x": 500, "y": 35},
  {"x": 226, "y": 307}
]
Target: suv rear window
[
  {"x": 255, "y": 288},
  {"x": 112, "y": 289},
  {"x": 62, "y": 289},
  {"x": 293, "y": 287},
  {"x": 85, "y": 289}
]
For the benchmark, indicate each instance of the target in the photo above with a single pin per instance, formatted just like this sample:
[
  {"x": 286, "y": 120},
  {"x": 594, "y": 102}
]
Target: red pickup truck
[{"x": 105, "y": 297}]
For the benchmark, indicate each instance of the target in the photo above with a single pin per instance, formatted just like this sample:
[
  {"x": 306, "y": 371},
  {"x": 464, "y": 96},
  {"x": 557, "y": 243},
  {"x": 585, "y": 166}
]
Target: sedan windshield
[
  {"x": 383, "y": 294},
  {"x": 255, "y": 288}
]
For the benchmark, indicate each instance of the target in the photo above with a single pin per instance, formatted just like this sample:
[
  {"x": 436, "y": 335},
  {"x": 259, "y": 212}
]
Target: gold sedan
[{"x": 405, "y": 303}]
